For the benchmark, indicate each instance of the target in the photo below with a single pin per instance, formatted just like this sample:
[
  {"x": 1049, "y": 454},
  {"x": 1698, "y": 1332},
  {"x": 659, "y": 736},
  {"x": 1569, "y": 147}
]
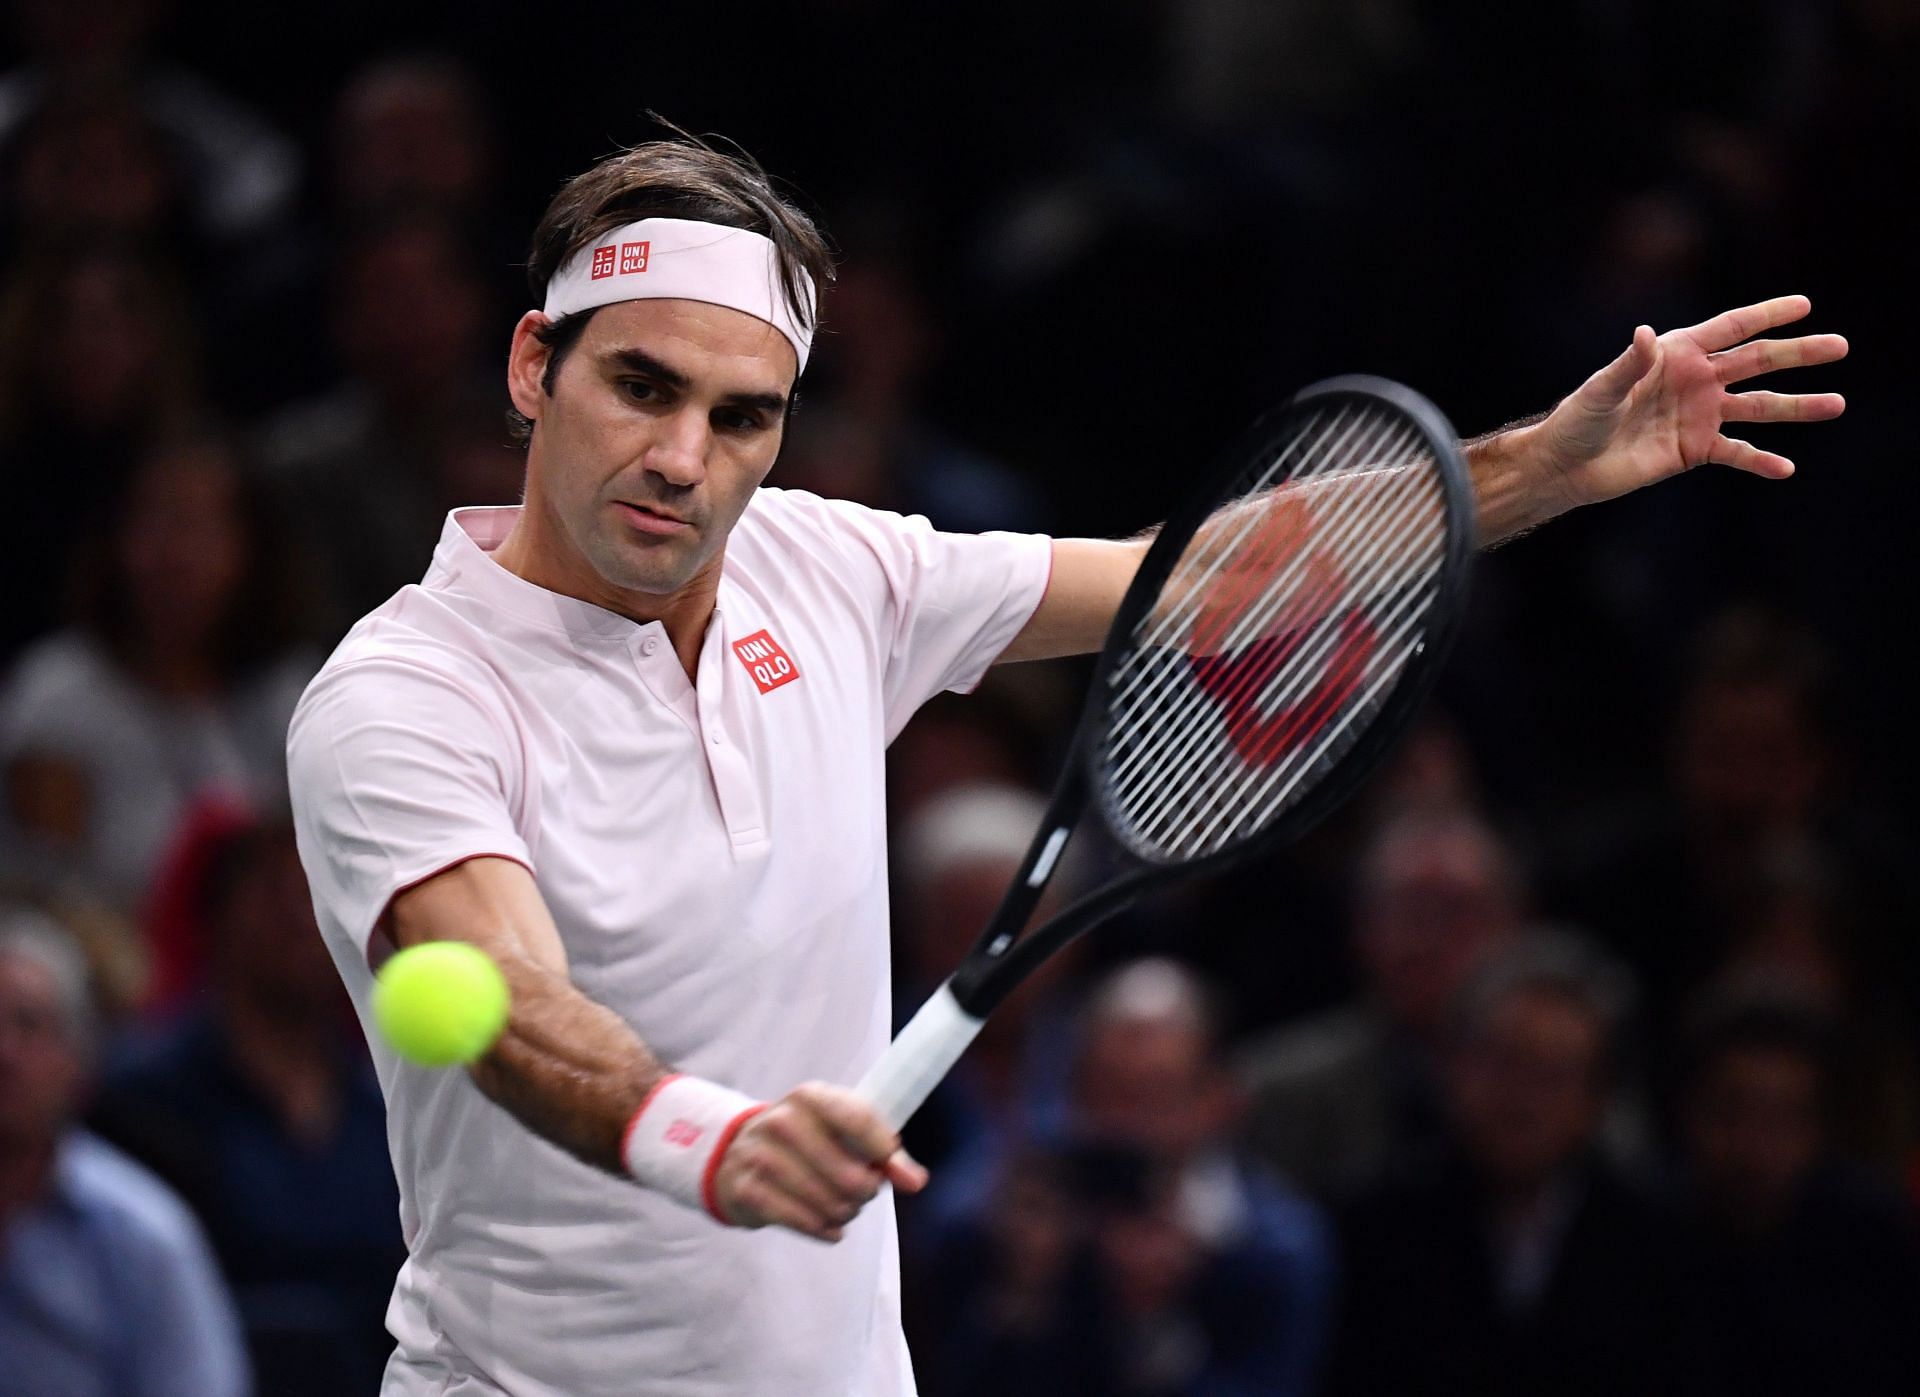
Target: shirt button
[{"x": 649, "y": 645}]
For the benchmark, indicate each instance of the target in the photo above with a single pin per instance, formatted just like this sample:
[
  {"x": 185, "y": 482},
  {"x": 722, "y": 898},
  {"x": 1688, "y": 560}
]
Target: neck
[
  {"x": 184, "y": 672},
  {"x": 534, "y": 551},
  {"x": 25, "y": 1166}
]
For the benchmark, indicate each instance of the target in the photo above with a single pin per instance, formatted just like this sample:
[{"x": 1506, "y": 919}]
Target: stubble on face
[{"x": 664, "y": 419}]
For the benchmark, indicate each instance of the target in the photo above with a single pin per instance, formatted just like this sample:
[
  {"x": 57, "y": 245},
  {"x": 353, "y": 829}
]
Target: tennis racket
[{"x": 1278, "y": 639}]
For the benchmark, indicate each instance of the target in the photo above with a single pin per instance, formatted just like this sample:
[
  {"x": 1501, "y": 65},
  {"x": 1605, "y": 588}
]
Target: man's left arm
[{"x": 1657, "y": 411}]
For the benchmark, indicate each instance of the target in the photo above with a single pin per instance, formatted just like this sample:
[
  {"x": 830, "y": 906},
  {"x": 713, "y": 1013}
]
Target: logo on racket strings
[
  {"x": 1266, "y": 736},
  {"x": 766, "y": 663}
]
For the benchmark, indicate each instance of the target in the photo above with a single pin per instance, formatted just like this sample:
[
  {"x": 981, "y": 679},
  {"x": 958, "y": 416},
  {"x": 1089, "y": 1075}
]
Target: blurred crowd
[{"x": 1576, "y": 1055}]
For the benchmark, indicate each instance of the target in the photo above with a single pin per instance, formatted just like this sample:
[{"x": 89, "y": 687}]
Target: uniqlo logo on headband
[
  {"x": 603, "y": 262},
  {"x": 633, "y": 257},
  {"x": 765, "y": 661}
]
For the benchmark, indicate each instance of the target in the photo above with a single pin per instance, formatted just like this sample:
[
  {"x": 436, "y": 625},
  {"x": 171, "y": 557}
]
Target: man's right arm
[{"x": 574, "y": 1072}]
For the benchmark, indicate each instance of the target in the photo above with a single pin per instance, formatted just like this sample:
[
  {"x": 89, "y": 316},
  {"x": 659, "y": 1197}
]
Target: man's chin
[{"x": 659, "y": 571}]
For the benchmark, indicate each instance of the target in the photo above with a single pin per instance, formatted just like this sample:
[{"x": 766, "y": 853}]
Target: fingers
[
  {"x": 906, "y": 1173},
  {"x": 1730, "y": 327},
  {"x": 1766, "y": 356},
  {"x": 1782, "y": 407},
  {"x": 857, "y": 1124},
  {"x": 1745, "y": 456},
  {"x": 811, "y": 1162},
  {"x": 1610, "y": 385}
]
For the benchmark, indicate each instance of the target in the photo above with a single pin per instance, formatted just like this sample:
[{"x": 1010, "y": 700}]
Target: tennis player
[{"x": 627, "y": 737}]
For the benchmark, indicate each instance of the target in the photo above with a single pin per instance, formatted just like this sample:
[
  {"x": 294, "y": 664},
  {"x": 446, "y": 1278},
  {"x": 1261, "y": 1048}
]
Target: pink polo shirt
[{"x": 714, "y": 855}]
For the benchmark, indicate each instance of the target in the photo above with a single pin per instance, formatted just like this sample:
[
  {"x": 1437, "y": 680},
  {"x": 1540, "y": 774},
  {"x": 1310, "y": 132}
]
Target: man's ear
[{"x": 527, "y": 365}]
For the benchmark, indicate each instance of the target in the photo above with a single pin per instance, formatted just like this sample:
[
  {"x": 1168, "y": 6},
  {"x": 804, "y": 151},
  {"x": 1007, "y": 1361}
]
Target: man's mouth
[{"x": 648, "y": 520}]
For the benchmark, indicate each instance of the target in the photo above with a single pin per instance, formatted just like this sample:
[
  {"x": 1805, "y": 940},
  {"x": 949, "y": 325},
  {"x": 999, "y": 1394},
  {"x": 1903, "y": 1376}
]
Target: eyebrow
[{"x": 639, "y": 361}]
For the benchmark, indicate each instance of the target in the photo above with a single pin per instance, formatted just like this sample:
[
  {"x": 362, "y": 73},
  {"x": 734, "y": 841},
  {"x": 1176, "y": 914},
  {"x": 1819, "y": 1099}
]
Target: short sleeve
[
  {"x": 396, "y": 772},
  {"x": 954, "y": 601}
]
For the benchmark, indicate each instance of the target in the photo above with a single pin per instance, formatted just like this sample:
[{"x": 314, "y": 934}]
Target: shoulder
[
  {"x": 416, "y": 640},
  {"x": 125, "y": 1200},
  {"x": 389, "y": 680}
]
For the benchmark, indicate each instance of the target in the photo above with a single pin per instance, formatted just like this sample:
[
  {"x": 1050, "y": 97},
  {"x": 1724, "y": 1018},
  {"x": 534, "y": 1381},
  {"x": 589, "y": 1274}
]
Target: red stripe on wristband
[
  {"x": 708, "y": 1198},
  {"x": 626, "y": 1136}
]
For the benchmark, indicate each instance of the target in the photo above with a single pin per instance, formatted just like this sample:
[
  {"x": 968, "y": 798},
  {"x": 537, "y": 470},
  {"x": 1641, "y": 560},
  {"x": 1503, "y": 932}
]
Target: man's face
[
  {"x": 1148, "y": 1083},
  {"x": 41, "y": 1069},
  {"x": 664, "y": 418},
  {"x": 1440, "y": 904},
  {"x": 1526, "y": 1086},
  {"x": 1752, "y": 1129}
]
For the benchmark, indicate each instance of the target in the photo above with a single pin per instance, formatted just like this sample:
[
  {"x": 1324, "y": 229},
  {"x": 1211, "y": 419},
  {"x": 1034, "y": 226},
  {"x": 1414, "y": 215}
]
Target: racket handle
[{"x": 914, "y": 1063}]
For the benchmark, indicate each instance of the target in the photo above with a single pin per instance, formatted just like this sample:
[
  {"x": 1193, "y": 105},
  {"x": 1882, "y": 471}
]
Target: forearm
[{"x": 567, "y": 1068}]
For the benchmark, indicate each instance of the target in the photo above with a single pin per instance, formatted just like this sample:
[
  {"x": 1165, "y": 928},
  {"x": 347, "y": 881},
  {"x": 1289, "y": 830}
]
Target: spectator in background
[
  {"x": 1811, "y": 1276},
  {"x": 1153, "y": 1261},
  {"x": 411, "y": 133},
  {"x": 1517, "y": 1259},
  {"x": 864, "y": 434},
  {"x": 106, "y": 1285},
  {"x": 179, "y": 675},
  {"x": 1002, "y": 734},
  {"x": 87, "y": 162},
  {"x": 408, "y": 138},
  {"x": 261, "y": 1108},
  {"x": 957, "y": 854},
  {"x": 409, "y": 317},
  {"x": 1336, "y": 1099},
  {"x": 239, "y": 173},
  {"x": 97, "y": 362},
  {"x": 1760, "y": 800}
]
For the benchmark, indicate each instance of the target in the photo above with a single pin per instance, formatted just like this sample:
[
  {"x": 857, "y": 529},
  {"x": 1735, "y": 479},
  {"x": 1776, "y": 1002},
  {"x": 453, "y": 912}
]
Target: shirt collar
[{"x": 462, "y": 565}]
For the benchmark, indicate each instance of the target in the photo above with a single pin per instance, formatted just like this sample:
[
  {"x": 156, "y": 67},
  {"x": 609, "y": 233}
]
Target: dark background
[{"x": 1095, "y": 240}]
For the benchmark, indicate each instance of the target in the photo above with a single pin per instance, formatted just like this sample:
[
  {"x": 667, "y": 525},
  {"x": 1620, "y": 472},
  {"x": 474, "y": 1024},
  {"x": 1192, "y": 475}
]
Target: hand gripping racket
[{"x": 1277, "y": 640}]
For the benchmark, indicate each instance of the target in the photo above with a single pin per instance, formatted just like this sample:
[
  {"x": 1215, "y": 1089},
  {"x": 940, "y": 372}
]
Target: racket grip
[{"x": 914, "y": 1063}]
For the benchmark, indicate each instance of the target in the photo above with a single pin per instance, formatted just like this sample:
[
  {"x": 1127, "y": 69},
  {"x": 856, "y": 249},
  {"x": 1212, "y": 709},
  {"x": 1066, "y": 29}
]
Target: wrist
[
  {"x": 1517, "y": 483},
  {"x": 679, "y": 1135}
]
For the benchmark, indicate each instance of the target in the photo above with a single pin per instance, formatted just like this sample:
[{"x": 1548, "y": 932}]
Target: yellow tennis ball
[{"x": 441, "y": 1002}]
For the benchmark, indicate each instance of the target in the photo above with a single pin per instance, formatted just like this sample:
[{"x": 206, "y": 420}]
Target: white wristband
[{"x": 675, "y": 1141}]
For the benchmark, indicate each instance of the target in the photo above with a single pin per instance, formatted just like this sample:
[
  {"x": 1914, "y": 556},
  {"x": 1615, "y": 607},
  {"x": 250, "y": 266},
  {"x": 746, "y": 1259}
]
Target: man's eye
[
  {"x": 639, "y": 391},
  {"x": 737, "y": 421}
]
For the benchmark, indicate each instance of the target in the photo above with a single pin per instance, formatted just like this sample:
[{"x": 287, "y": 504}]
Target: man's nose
[{"x": 679, "y": 454}]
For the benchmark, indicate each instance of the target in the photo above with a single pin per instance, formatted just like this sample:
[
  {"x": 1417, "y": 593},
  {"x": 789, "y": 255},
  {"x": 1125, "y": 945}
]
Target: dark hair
[{"x": 678, "y": 178}]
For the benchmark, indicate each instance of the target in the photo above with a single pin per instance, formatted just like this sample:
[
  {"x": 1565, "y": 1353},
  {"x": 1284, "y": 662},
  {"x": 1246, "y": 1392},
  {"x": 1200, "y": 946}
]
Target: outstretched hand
[{"x": 1660, "y": 408}]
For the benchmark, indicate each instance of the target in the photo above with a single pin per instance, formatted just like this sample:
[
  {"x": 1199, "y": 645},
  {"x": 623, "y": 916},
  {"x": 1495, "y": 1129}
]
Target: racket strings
[
  {"x": 1275, "y": 734},
  {"x": 1154, "y": 679},
  {"x": 1282, "y": 747},
  {"x": 1279, "y": 632},
  {"x": 1146, "y": 676}
]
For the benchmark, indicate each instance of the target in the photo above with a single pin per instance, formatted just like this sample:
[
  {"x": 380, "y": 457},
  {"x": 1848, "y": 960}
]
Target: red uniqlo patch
[
  {"x": 633, "y": 257},
  {"x": 765, "y": 661},
  {"x": 602, "y": 262},
  {"x": 683, "y": 1133}
]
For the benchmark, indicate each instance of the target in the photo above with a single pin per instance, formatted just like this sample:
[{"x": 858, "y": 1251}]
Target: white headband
[{"x": 660, "y": 259}]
